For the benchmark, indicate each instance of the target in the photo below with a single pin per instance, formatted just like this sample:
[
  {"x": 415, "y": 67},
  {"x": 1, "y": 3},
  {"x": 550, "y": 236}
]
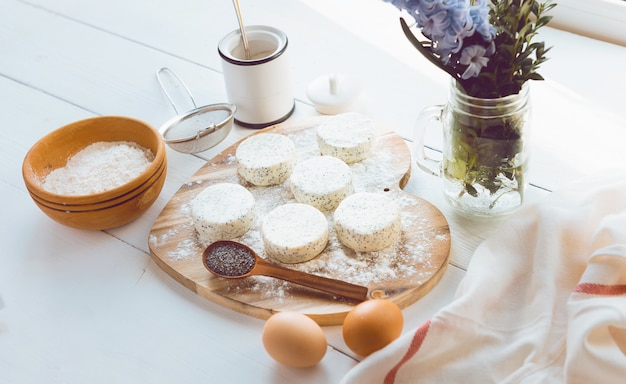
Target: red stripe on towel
[
  {"x": 416, "y": 343},
  {"x": 601, "y": 289}
]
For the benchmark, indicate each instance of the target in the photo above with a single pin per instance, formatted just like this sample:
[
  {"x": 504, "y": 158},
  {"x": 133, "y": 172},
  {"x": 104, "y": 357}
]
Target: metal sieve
[{"x": 198, "y": 129}]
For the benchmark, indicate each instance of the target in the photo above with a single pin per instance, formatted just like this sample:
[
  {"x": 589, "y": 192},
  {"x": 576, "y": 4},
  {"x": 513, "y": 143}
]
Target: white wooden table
[{"x": 92, "y": 307}]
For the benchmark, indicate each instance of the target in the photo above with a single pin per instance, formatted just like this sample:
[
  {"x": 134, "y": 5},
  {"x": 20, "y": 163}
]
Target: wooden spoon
[{"x": 233, "y": 260}]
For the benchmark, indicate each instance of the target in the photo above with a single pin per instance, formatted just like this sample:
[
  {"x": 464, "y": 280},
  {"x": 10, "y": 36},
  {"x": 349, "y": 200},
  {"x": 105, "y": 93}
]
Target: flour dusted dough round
[
  {"x": 223, "y": 211},
  {"x": 266, "y": 159},
  {"x": 367, "y": 221},
  {"x": 294, "y": 233},
  {"x": 322, "y": 182},
  {"x": 348, "y": 136}
]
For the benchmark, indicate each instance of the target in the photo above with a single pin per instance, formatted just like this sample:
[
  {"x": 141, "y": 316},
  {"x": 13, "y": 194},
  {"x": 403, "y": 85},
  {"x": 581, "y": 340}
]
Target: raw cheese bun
[
  {"x": 322, "y": 182},
  {"x": 223, "y": 211},
  {"x": 265, "y": 159},
  {"x": 294, "y": 233},
  {"x": 367, "y": 221},
  {"x": 348, "y": 136}
]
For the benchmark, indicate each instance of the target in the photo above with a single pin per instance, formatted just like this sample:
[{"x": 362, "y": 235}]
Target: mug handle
[{"x": 426, "y": 116}]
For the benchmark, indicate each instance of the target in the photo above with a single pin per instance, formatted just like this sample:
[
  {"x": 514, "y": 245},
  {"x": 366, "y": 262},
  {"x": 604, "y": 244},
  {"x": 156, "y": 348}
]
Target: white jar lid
[{"x": 333, "y": 93}]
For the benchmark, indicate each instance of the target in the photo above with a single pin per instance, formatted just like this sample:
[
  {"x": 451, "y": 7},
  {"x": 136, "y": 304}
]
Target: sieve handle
[{"x": 173, "y": 74}]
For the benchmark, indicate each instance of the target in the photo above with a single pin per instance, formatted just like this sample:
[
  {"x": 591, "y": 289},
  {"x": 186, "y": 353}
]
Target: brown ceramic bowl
[
  {"x": 103, "y": 210},
  {"x": 140, "y": 189}
]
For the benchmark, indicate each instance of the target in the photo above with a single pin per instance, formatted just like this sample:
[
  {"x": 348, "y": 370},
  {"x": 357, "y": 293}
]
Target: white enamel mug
[{"x": 259, "y": 85}]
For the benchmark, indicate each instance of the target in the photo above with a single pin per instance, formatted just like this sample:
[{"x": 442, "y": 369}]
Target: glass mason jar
[{"x": 485, "y": 150}]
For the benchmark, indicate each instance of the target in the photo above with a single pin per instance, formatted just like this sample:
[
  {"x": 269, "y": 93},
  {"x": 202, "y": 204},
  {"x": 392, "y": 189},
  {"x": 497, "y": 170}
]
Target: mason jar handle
[{"x": 426, "y": 116}]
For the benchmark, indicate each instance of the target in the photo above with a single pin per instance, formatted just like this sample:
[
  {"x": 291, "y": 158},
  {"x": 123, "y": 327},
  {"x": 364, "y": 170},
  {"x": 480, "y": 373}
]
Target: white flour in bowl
[{"x": 99, "y": 167}]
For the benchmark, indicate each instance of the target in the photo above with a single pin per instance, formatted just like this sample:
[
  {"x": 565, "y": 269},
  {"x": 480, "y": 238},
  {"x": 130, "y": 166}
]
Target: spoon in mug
[
  {"x": 233, "y": 260},
  {"x": 244, "y": 39}
]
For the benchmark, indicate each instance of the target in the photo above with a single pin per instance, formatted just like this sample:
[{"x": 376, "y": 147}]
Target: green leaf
[
  {"x": 544, "y": 20},
  {"x": 471, "y": 190}
]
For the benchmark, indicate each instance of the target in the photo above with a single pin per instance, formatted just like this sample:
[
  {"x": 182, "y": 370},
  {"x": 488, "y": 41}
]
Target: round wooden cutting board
[{"x": 402, "y": 273}]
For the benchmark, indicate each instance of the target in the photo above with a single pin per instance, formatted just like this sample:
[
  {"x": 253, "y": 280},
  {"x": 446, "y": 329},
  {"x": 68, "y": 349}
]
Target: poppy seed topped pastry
[
  {"x": 223, "y": 211},
  {"x": 322, "y": 182},
  {"x": 294, "y": 233},
  {"x": 265, "y": 159},
  {"x": 348, "y": 136},
  {"x": 367, "y": 221}
]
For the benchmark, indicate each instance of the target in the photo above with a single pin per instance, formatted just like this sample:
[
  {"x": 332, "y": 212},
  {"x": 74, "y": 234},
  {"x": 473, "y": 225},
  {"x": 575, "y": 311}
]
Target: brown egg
[
  {"x": 371, "y": 325},
  {"x": 294, "y": 339}
]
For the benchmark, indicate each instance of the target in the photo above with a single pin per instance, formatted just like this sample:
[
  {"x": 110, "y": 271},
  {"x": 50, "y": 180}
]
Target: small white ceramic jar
[{"x": 260, "y": 85}]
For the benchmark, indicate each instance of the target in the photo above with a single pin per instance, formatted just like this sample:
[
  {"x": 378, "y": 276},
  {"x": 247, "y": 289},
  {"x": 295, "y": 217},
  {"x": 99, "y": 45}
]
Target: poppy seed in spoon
[{"x": 229, "y": 260}]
